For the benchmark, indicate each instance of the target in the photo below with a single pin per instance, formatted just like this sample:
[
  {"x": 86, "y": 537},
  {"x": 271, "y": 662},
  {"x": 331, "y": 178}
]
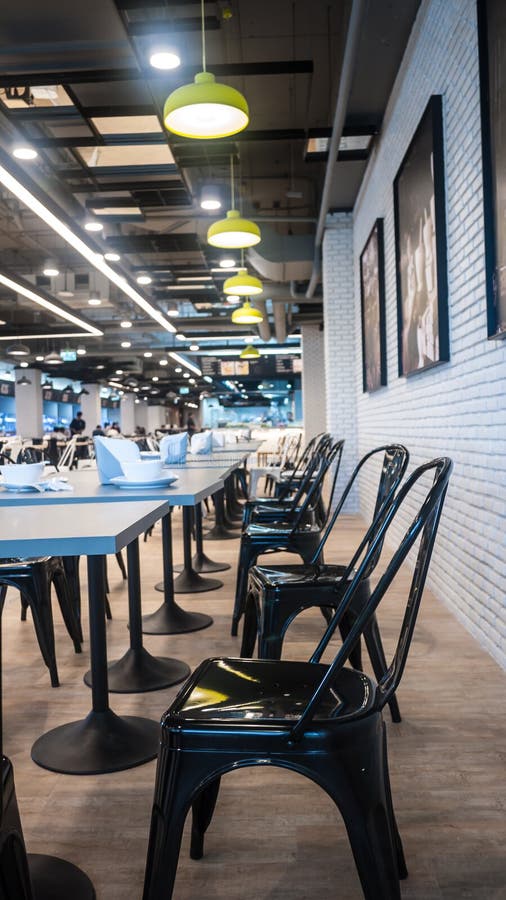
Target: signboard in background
[
  {"x": 68, "y": 355},
  {"x": 233, "y": 367}
]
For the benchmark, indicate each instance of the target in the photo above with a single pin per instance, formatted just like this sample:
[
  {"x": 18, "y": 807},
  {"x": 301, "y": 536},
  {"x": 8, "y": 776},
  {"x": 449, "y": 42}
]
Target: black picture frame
[
  {"x": 420, "y": 247},
  {"x": 372, "y": 302},
  {"x": 491, "y": 42}
]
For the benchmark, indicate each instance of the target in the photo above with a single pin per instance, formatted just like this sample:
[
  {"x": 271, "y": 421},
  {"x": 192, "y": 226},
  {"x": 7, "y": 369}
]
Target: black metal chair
[
  {"x": 33, "y": 579},
  {"x": 301, "y": 534},
  {"x": 277, "y": 594},
  {"x": 323, "y": 721}
]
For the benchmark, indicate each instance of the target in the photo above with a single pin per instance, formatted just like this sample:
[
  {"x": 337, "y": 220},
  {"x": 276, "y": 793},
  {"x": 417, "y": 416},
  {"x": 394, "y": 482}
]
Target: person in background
[
  {"x": 190, "y": 425},
  {"x": 114, "y": 431},
  {"x": 98, "y": 431},
  {"x": 77, "y": 425}
]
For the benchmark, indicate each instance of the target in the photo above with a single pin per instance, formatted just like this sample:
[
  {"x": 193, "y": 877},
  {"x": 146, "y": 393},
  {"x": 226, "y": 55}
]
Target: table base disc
[
  {"x": 202, "y": 563},
  {"x": 56, "y": 879},
  {"x": 190, "y": 582},
  {"x": 137, "y": 672},
  {"x": 171, "y": 619},
  {"x": 219, "y": 533},
  {"x": 102, "y": 742}
]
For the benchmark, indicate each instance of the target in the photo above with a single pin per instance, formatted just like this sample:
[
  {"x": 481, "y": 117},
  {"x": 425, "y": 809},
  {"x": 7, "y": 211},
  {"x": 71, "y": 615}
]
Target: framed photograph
[
  {"x": 420, "y": 244},
  {"x": 372, "y": 292},
  {"x": 492, "y": 40}
]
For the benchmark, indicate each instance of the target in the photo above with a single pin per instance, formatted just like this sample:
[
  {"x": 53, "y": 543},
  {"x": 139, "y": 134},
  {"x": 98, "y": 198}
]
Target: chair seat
[
  {"x": 11, "y": 562},
  {"x": 274, "y": 529},
  {"x": 270, "y": 691},
  {"x": 296, "y": 575}
]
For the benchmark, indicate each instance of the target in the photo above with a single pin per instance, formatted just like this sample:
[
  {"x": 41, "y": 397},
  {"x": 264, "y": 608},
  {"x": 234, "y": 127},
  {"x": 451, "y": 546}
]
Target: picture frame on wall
[
  {"x": 372, "y": 296},
  {"x": 420, "y": 247},
  {"x": 491, "y": 41}
]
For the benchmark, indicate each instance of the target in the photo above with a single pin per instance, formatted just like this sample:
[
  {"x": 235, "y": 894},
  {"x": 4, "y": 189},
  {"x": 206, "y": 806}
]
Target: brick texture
[{"x": 313, "y": 381}]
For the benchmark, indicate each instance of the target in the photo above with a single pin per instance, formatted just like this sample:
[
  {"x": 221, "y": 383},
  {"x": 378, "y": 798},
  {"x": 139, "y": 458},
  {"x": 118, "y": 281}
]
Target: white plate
[
  {"x": 23, "y": 488},
  {"x": 122, "y": 481}
]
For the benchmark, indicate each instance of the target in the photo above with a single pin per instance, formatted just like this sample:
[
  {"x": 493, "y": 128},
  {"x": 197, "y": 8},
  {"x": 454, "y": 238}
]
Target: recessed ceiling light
[
  {"x": 39, "y": 359},
  {"x": 126, "y": 344},
  {"x": 125, "y": 324},
  {"x": 24, "y": 365},
  {"x": 227, "y": 263},
  {"x": 112, "y": 257},
  {"x": 164, "y": 362},
  {"x": 210, "y": 198},
  {"x": 186, "y": 374},
  {"x": 180, "y": 337},
  {"x": 136, "y": 390},
  {"x": 93, "y": 225},
  {"x": 100, "y": 367},
  {"x": 144, "y": 279},
  {"x": 233, "y": 298},
  {"x": 194, "y": 347},
  {"x": 51, "y": 271},
  {"x": 26, "y": 153},
  {"x": 65, "y": 293},
  {"x": 192, "y": 381},
  {"x": 178, "y": 370},
  {"x": 155, "y": 378},
  {"x": 148, "y": 354},
  {"x": 119, "y": 372},
  {"x": 81, "y": 351},
  {"x": 94, "y": 301},
  {"x": 173, "y": 312},
  {"x": 164, "y": 59}
]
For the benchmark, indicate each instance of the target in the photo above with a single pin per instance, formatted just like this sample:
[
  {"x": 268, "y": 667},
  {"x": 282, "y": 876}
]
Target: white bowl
[
  {"x": 25, "y": 473},
  {"x": 147, "y": 470}
]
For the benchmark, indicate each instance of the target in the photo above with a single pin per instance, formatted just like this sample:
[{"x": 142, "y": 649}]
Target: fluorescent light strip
[
  {"x": 185, "y": 287},
  {"x": 36, "y": 298},
  {"x": 264, "y": 351},
  {"x": 184, "y": 362},
  {"x": 195, "y": 277},
  {"x": 45, "y": 337},
  {"x": 95, "y": 259}
]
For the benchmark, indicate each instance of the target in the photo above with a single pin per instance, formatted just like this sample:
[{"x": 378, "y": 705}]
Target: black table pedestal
[
  {"x": 189, "y": 581},
  {"x": 169, "y": 618},
  {"x": 102, "y": 742},
  {"x": 137, "y": 671},
  {"x": 219, "y": 532}
]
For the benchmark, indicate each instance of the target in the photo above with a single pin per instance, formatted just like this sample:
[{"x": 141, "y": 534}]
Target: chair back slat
[{"x": 425, "y": 523}]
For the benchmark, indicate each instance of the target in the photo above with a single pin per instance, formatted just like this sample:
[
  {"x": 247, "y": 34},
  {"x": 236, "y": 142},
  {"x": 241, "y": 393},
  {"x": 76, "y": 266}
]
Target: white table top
[
  {"x": 192, "y": 486},
  {"x": 98, "y": 529}
]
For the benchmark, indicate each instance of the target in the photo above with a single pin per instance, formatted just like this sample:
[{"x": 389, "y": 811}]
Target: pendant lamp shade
[
  {"x": 243, "y": 285},
  {"x": 247, "y": 315},
  {"x": 234, "y": 232},
  {"x": 205, "y": 109},
  {"x": 250, "y": 352}
]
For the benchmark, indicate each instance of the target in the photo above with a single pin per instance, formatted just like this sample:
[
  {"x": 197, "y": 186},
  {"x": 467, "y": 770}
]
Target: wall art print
[
  {"x": 372, "y": 292},
  {"x": 420, "y": 238}
]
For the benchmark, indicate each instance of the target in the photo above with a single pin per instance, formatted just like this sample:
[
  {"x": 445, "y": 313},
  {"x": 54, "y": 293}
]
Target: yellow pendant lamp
[
  {"x": 234, "y": 232},
  {"x": 243, "y": 285},
  {"x": 247, "y": 315},
  {"x": 205, "y": 109},
  {"x": 250, "y": 352}
]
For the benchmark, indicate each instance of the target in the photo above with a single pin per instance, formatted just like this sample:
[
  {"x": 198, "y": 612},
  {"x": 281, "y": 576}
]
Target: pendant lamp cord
[
  {"x": 232, "y": 189},
  {"x": 203, "y": 36}
]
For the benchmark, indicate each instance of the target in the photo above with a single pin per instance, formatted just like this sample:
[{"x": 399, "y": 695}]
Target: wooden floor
[{"x": 274, "y": 835}]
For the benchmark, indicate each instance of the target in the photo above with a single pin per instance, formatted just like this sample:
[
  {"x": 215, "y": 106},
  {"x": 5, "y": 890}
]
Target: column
[
  {"x": 340, "y": 342},
  {"x": 313, "y": 381},
  {"x": 127, "y": 414},
  {"x": 91, "y": 407},
  {"x": 28, "y": 396}
]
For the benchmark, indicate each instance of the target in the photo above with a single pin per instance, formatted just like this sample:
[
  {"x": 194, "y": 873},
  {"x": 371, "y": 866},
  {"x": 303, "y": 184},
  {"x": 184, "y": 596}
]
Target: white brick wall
[
  {"x": 458, "y": 409},
  {"x": 340, "y": 342},
  {"x": 313, "y": 381}
]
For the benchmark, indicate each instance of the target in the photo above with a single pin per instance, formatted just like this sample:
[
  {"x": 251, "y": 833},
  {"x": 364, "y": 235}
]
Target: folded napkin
[
  {"x": 218, "y": 439},
  {"x": 55, "y": 484},
  {"x": 173, "y": 449},
  {"x": 110, "y": 454},
  {"x": 202, "y": 443}
]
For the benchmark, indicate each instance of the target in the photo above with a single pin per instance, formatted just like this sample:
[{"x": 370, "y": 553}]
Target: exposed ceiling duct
[
  {"x": 283, "y": 257},
  {"x": 264, "y": 328},
  {"x": 280, "y": 325}
]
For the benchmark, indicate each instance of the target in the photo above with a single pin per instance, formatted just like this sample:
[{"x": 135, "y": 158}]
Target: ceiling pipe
[
  {"x": 345, "y": 80},
  {"x": 264, "y": 328},
  {"x": 280, "y": 329}
]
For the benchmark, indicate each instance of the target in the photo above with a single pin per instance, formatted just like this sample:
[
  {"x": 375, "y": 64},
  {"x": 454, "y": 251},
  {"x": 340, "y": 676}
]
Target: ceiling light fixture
[
  {"x": 81, "y": 350},
  {"x": 144, "y": 279},
  {"x": 174, "y": 312},
  {"x": 148, "y": 354},
  {"x": 50, "y": 271},
  {"x": 184, "y": 362},
  {"x": 25, "y": 153},
  {"x": 163, "y": 362},
  {"x": 24, "y": 365},
  {"x": 23, "y": 381},
  {"x": 164, "y": 59},
  {"x": 39, "y": 359},
  {"x": 53, "y": 359},
  {"x": 125, "y": 323},
  {"x": 243, "y": 285},
  {"x": 233, "y": 298},
  {"x": 178, "y": 370},
  {"x": 112, "y": 257},
  {"x": 18, "y": 350},
  {"x": 93, "y": 225},
  {"x": 95, "y": 259},
  {"x": 234, "y": 232},
  {"x": 20, "y": 286},
  {"x": 247, "y": 315},
  {"x": 227, "y": 262},
  {"x": 250, "y": 352},
  {"x": 180, "y": 337},
  {"x": 210, "y": 199},
  {"x": 126, "y": 344},
  {"x": 205, "y": 109},
  {"x": 194, "y": 347}
]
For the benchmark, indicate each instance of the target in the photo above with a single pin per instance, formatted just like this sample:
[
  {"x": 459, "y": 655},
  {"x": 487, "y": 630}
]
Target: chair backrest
[
  {"x": 395, "y": 461},
  {"x": 424, "y": 526},
  {"x": 302, "y": 465},
  {"x": 319, "y": 466}
]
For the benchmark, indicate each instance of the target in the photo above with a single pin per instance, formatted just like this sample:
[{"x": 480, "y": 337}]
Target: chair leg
[
  {"x": 24, "y": 607},
  {"x": 250, "y": 628},
  {"x": 121, "y": 564},
  {"x": 108, "y": 612},
  {"x": 202, "y": 814},
  {"x": 247, "y": 557},
  {"x": 42, "y": 615},
  {"x": 372, "y": 638},
  {"x": 345, "y": 626},
  {"x": 72, "y": 624}
]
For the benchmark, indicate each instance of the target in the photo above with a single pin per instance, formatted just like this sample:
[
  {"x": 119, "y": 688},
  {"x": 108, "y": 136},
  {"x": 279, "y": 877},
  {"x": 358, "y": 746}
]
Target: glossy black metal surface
[{"x": 323, "y": 721}]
